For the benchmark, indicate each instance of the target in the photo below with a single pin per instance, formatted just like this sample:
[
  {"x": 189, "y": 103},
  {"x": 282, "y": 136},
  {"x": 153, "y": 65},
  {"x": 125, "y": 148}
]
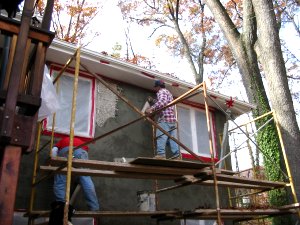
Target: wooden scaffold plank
[
  {"x": 112, "y": 174},
  {"x": 234, "y": 214},
  {"x": 143, "y": 168},
  {"x": 160, "y": 168}
]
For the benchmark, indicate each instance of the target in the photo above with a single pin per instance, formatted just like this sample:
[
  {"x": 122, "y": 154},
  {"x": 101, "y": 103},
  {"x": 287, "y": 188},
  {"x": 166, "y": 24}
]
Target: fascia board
[{"x": 94, "y": 58}]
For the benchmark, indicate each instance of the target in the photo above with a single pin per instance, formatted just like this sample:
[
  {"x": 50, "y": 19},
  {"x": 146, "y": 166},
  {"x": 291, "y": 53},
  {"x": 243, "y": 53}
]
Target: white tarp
[{"x": 50, "y": 102}]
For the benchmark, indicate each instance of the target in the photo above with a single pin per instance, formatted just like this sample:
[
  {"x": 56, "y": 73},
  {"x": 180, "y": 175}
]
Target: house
[
  {"x": 99, "y": 111},
  {"x": 110, "y": 94}
]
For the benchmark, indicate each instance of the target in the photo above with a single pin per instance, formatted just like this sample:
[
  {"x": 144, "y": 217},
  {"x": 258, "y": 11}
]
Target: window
[
  {"x": 85, "y": 103},
  {"x": 198, "y": 222},
  {"x": 192, "y": 126}
]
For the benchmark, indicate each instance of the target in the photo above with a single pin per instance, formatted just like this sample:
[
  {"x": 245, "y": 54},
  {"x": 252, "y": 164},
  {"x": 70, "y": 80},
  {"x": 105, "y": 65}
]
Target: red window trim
[
  {"x": 57, "y": 68},
  {"x": 205, "y": 159}
]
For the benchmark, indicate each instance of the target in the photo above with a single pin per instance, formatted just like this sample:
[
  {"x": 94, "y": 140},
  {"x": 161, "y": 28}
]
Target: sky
[
  {"x": 112, "y": 29},
  {"x": 111, "y": 26}
]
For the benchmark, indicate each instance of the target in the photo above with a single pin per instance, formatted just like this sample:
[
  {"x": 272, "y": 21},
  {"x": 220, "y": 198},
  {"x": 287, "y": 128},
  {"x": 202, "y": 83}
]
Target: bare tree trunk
[
  {"x": 260, "y": 39},
  {"x": 270, "y": 55},
  {"x": 243, "y": 51},
  {"x": 187, "y": 52},
  {"x": 201, "y": 57}
]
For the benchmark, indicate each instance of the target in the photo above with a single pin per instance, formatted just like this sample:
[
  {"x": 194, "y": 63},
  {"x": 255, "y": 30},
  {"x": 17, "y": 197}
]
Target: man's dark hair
[{"x": 159, "y": 83}]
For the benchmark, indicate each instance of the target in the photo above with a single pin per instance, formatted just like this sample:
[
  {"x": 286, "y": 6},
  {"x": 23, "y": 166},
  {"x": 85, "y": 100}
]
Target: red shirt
[{"x": 65, "y": 142}]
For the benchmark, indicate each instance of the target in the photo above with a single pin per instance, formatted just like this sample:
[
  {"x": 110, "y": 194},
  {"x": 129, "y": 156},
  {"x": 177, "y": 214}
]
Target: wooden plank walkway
[
  {"x": 236, "y": 214},
  {"x": 185, "y": 172},
  {"x": 170, "y": 163},
  {"x": 158, "y": 166}
]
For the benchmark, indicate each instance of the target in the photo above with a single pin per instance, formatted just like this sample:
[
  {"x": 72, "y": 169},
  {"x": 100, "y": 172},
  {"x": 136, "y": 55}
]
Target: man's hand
[
  {"x": 148, "y": 111},
  {"x": 150, "y": 99},
  {"x": 54, "y": 152}
]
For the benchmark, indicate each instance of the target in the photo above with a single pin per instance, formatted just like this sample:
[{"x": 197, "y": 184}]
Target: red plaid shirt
[{"x": 163, "y": 98}]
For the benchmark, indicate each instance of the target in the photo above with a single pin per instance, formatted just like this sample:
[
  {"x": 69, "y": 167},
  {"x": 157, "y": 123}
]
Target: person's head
[{"x": 158, "y": 84}]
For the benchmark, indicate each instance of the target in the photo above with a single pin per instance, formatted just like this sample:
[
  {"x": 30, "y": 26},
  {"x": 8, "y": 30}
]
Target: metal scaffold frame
[{"x": 200, "y": 173}]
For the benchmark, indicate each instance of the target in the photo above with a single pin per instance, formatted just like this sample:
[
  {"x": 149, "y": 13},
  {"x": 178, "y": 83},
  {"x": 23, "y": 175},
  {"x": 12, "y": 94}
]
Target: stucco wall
[{"x": 121, "y": 194}]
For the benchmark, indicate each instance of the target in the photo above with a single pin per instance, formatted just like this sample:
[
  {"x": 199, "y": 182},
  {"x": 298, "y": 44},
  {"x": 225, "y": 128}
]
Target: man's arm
[
  {"x": 162, "y": 101},
  {"x": 56, "y": 147},
  {"x": 54, "y": 151}
]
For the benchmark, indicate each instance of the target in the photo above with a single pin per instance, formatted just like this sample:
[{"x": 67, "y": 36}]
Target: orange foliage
[
  {"x": 234, "y": 9},
  {"x": 141, "y": 61},
  {"x": 71, "y": 18},
  {"x": 40, "y": 6},
  {"x": 192, "y": 23}
]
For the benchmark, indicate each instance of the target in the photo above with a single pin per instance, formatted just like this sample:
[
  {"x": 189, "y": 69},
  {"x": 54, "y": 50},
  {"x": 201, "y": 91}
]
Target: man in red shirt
[
  {"x": 61, "y": 149},
  {"x": 166, "y": 119}
]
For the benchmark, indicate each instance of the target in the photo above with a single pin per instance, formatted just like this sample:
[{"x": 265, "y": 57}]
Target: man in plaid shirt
[{"x": 166, "y": 120}]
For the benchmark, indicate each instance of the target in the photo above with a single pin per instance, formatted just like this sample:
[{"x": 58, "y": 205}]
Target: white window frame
[
  {"x": 89, "y": 132},
  {"x": 195, "y": 148}
]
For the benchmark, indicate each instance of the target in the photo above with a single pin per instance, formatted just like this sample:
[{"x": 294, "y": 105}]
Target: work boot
[
  {"x": 176, "y": 157},
  {"x": 159, "y": 157},
  {"x": 56, "y": 216}
]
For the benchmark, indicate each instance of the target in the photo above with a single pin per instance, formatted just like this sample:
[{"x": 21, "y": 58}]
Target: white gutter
[{"x": 62, "y": 46}]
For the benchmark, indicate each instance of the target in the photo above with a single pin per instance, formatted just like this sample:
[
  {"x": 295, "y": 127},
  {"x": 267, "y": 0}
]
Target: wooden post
[
  {"x": 9, "y": 173},
  {"x": 72, "y": 128},
  {"x": 212, "y": 154},
  {"x": 15, "y": 76}
]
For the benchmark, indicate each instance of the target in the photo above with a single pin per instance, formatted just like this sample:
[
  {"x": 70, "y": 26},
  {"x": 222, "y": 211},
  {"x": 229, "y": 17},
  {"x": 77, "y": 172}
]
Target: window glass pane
[
  {"x": 210, "y": 222},
  {"x": 202, "y": 133},
  {"x": 191, "y": 222},
  {"x": 83, "y": 106},
  {"x": 184, "y": 125},
  {"x": 198, "y": 222},
  {"x": 193, "y": 132}
]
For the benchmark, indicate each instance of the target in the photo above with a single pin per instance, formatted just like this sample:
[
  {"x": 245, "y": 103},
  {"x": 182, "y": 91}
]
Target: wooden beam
[
  {"x": 235, "y": 185},
  {"x": 222, "y": 177},
  {"x": 9, "y": 174},
  {"x": 113, "y": 174},
  {"x": 196, "y": 214},
  {"x": 109, "y": 213},
  {"x": 243, "y": 211},
  {"x": 126, "y": 167},
  {"x": 11, "y": 55},
  {"x": 38, "y": 70},
  {"x": 15, "y": 76},
  {"x": 170, "y": 163},
  {"x": 10, "y": 27},
  {"x": 162, "y": 169},
  {"x": 291, "y": 206}
]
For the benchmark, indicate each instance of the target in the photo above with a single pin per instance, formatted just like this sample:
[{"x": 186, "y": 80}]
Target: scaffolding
[
  {"x": 182, "y": 172},
  {"x": 23, "y": 53}
]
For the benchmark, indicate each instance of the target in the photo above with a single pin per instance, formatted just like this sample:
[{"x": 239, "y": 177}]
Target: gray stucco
[{"x": 121, "y": 194}]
